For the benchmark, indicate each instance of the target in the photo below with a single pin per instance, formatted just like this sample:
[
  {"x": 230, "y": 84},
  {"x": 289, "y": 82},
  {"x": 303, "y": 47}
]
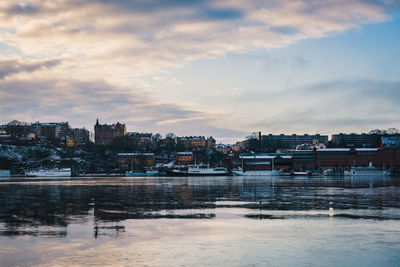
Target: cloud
[
  {"x": 352, "y": 105},
  {"x": 136, "y": 38},
  {"x": 9, "y": 67},
  {"x": 96, "y": 50},
  {"x": 82, "y": 102}
]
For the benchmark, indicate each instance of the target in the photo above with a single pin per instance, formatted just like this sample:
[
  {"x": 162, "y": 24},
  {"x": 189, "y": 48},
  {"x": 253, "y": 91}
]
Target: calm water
[{"x": 219, "y": 221}]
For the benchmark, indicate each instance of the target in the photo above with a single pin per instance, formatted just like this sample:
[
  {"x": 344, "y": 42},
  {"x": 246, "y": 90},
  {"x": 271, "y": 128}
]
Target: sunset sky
[{"x": 221, "y": 68}]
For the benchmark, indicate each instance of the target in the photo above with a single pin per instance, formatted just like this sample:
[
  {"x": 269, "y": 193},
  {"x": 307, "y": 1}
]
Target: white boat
[
  {"x": 204, "y": 170},
  {"x": 5, "y": 173},
  {"x": 199, "y": 170},
  {"x": 239, "y": 171},
  {"x": 141, "y": 173},
  {"x": 365, "y": 171},
  {"x": 65, "y": 172}
]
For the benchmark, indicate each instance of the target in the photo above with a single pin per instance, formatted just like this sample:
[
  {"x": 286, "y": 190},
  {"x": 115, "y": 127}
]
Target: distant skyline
[{"x": 221, "y": 68}]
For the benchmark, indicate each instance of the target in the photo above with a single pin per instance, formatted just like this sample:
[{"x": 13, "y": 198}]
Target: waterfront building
[
  {"x": 184, "y": 157},
  {"x": 304, "y": 160},
  {"x": 138, "y": 160},
  {"x": 389, "y": 158},
  {"x": 345, "y": 158},
  {"x": 104, "y": 134},
  {"x": 291, "y": 141},
  {"x": 263, "y": 161}
]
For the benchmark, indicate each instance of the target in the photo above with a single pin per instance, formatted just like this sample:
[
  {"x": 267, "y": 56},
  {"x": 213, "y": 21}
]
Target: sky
[{"x": 216, "y": 68}]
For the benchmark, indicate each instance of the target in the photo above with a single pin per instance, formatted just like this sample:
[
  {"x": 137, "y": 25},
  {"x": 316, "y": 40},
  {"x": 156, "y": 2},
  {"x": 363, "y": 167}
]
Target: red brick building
[
  {"x": 104, "y": 134},
  {"x": 344, "y": 158}
]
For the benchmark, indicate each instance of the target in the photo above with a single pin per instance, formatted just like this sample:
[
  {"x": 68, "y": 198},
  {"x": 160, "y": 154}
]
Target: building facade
[
  {"x": 355, "y": 140},
  {"x": 105, "y": 134},
  {"x": 291, "y": 141}
]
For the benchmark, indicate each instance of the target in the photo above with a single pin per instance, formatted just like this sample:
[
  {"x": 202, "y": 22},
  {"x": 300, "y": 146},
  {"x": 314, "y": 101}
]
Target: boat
[
  {"x": 205, "y": 170},
  {"x": 366, "y": 171},
  {"x": 240, "y": 172},
  {"x": 65, "y": 172},
  {"x": 199, "y": 170},
  {"x": 302, "y": 173},
  {"x": 141, "y": 173},
  {"x": 5, "y": 173}
]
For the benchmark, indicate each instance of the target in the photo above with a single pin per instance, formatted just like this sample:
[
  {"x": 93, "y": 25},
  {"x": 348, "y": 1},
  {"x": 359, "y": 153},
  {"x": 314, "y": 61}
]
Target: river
[{"x": 200, "y": 221}]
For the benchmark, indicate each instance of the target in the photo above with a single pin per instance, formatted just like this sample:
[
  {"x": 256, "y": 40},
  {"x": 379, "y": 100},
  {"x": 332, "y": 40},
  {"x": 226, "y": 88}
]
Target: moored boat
[
  {"x": 141, "y": 173},
  {"x": 240, "y": 172},
  {"x": 65, "y": 172},
  {"x": 366, "y": 171},
  {"x": 205, "y": 170},
  {"x": 5, "y": 173},
  {"x": 199, "y": 170}
]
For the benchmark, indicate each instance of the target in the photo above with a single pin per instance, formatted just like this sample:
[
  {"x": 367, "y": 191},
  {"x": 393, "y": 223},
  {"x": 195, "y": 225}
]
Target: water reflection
[{"x": 45, "y": 207}]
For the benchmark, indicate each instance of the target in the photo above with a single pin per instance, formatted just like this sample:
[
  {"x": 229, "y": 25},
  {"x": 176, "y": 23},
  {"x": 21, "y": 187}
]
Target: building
[
  {"x": 50, "y": 131},
  {"x": 105, "y": 134},
  {"x": 139, "y": 140},
  {"x": 70, "y": 142},
  {"x": 184, "y": 157},
  {"x": 224, "y": 149},
  {"x": 136, "y": 160},
  {"x": 4, "y": 136},
  {"x": 189, "y": 142},
  {"x": 345, "y": 158},
  {"x": 304, "y": 160},
  {"x": 211, "y": 143},
  {"x": 314, "y": 145},
  {"x": 390, "y": 141},
  {"x": 389, "y": 158},
  {"x": 80, "y": 135},
  {"x": 263, "y": 161},
  {"x": 291, "y": 141},
  {"x": 356, "y": 140}
]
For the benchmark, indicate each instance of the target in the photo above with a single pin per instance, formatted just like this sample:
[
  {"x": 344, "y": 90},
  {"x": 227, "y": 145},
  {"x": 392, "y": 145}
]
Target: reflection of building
[{"x": 104, "y": 134}]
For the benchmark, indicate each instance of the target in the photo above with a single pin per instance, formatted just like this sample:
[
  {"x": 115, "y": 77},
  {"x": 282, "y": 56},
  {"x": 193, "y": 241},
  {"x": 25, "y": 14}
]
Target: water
[{"x": 199, "y": 221}]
